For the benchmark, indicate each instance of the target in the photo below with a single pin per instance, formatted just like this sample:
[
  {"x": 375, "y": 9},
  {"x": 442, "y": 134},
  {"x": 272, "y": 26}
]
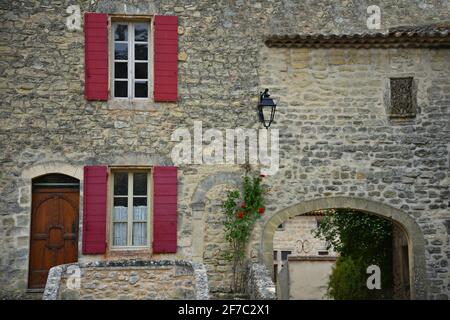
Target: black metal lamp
[{"x": 266, "y": 108}]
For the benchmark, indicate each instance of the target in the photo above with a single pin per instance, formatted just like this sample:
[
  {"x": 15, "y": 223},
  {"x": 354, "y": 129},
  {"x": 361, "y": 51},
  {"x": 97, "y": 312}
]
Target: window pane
[
  {"x": 120, "y": 183},
  {"x": 120, "y": 88},
  {"x": 121, "y": 32},
  {"x": 120, "y": 217},
  {"x": 140, "y": 209},
  {"x": 140, "y": 51},
  {"x": 284, "y": 255},
  {"x": 140, "y": 32},
  {"x": 120, "y": 210},
  {"x": 121, "y": 70},
  {"x": 120, "y": 234},
  {"x": 121, "y": 51},
  {"x": 140, "y": 184},
  {"x": 139, "y": 233},
  {"x": 140, "y": 70},
  {"x": 140, "y": 89},
  {"x": 120, "y": 201}
]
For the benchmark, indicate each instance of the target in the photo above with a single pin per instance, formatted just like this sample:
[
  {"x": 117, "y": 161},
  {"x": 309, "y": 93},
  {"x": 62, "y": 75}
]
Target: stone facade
[{"x": 335, "y": 136}]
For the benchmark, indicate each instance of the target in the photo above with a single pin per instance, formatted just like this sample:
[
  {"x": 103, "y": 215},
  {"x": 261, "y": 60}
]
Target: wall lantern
[{"x": 266, "y": 109}]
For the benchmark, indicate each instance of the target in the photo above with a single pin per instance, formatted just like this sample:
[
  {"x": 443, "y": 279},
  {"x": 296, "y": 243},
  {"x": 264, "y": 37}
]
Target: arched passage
[{"x": 414, "y": 235}]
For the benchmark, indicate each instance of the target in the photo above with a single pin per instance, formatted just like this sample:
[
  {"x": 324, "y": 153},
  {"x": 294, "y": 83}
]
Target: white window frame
[
  {"x": 130, "y": 196},
  {"x": 131, "y": 61}
]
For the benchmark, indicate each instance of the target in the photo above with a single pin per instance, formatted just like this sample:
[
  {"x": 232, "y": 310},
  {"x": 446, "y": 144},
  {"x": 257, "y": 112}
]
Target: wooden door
[{"x": 54, "y": 232}]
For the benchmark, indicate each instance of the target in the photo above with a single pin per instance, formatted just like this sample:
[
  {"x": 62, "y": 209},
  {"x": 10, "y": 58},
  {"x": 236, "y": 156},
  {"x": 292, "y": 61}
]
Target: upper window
[
  {"x": 130, "y": 209},
  {"x": 131, "y": 69}
]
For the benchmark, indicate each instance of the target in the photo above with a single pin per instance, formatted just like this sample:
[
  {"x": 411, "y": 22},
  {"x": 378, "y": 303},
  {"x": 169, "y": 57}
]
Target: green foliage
[
  {"x": 348, "y": 280},
  {"x": 241, "y": 213},
  {"x": 361, "y": 240}
]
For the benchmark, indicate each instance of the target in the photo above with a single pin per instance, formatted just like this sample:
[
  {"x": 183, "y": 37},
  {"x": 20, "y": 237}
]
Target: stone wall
[
  {"x": 335, "y": 138},
  {"x": 128, "y": 280},
  {"x": 308, "y": 277},
  {"x": 259, "y": 283}
]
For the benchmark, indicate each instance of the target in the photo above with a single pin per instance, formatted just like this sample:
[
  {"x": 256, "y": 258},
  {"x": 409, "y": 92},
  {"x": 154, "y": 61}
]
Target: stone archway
[
  {"x": 198, "y": 207},
  {"x": 416, "y": 241},
  {"x": 41, "y": 169}
]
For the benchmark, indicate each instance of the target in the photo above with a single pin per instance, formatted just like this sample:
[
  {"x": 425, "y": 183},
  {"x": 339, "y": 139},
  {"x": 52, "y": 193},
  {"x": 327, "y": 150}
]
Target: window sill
[
  {"x": 129, "y": 248},
  {"x": 402, "y": 116},
  {"x": 136, "y": 105},
  {"x": 402, "y": 119},
  {"x": 141, "y": 252}
]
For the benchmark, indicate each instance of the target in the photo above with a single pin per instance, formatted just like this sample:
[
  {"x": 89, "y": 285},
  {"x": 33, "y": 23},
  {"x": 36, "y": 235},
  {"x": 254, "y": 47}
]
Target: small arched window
[{"x": 56, "y": 180}]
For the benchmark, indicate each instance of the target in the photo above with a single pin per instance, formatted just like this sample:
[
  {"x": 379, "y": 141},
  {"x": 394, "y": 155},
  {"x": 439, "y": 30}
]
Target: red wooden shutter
[
  {"x": 166, "y": 58},
  {"x": 96, "y": 56},
  {"x": 165, "y": 209},
  {"x": 94, "y": 209}
]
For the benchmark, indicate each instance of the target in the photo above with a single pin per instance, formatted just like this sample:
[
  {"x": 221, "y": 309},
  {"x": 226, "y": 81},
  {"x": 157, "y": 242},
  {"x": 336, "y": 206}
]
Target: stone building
[
  {"x": 87, "y": 116},
  {"x": 295, "y": 237},
  {"x": 302, "y": 262}
]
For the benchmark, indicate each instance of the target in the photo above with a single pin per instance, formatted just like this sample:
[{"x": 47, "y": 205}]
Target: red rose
[
  {"x": 261, "y": 210},
  {"x": 240, "y": 215}
]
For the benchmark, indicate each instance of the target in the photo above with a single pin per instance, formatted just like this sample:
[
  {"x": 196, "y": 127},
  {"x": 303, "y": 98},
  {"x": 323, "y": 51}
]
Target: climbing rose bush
[{"x": 241, "y": 213}]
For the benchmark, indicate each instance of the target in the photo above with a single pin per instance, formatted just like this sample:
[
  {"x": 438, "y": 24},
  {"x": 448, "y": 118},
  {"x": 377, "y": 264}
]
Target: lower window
[{"x": 130, "y": 214}]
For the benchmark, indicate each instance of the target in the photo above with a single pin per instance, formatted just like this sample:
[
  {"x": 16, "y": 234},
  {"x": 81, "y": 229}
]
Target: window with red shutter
[
  {"x": 130, "y": 209},
  {"x": 130, "y": 53},
  {"x": 94, "y": 209},
  {"x": 164, "y": 209}
]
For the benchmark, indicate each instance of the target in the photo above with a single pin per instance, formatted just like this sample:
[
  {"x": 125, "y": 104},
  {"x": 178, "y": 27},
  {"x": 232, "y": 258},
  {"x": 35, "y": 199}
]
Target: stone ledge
[
  {"x": 311, "y": 258},
  {"x": 182, "y": 268}
]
